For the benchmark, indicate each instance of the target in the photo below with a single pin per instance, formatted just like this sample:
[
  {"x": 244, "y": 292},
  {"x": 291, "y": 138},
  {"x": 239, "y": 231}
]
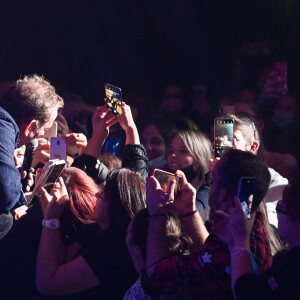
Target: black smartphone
[
  {"x": 245, "y": 193},
  {"x": 113, "y": 96},
  {"x": 223, "y": 132},
  {"x": 164, "y": 178}
]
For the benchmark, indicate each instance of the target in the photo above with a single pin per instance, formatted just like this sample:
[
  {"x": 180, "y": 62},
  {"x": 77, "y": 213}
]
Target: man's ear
[
  {"x": 254, "y": 147},
  {"x": 30, "y": 127}
]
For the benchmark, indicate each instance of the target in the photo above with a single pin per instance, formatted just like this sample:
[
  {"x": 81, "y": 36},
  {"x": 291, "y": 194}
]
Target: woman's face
[
  {"x": 178, "y": 156},
  {"x": 153, "y": 142},
  {"x": 101, "y": 212}
]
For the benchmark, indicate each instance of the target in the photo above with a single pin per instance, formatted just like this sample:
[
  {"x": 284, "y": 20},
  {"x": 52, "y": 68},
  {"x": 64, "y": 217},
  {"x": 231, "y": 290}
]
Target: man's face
[
  {"x": 39, "y": 129},
  {"x": 52, "y": 116},
  {"x": 239, "y": 142}
]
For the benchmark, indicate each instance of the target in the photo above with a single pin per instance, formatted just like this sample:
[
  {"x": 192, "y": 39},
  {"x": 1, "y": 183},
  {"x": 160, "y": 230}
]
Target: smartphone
[
  {"x": 245, "y": 193},
  {"x": 113, "y": 96},
  {"x": 58, "y": 148},
  {"x": 49, "y": 176},
  {"x": 50, "y": 132},
  {"x": 164, "y": 178},
  {"x": 113, "y": 145},
  {"x": 223, "y": 132}
]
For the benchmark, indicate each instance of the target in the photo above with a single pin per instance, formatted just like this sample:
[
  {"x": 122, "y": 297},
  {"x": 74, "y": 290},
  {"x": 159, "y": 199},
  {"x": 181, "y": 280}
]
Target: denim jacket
[{"x": 11, "y": 194}]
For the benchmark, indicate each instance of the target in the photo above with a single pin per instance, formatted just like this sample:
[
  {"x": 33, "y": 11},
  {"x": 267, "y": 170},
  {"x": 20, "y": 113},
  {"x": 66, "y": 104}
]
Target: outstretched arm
[
  {"x": 127, "y": 123},
  {"x": 103, "y": 118}
]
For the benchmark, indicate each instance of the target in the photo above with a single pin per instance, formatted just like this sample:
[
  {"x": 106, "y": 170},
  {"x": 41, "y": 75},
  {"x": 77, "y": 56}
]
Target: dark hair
[
  {"x": 237, "y": 164},
  {"x": 176, "y": 241},
  {"x": 125, "y": 191},
  {"x": 31, "y": 98},
  {"x": 110, "y": 161},
  {"x": 163, "y": 126}
]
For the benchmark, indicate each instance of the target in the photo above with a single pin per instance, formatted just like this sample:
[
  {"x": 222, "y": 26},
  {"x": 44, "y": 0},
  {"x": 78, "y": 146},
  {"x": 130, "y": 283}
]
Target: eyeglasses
[{"x": 280, "y": 209}]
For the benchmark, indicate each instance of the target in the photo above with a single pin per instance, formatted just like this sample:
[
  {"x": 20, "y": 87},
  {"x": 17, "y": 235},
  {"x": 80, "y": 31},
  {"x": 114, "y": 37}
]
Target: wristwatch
[{"x": 52, "y": 224}]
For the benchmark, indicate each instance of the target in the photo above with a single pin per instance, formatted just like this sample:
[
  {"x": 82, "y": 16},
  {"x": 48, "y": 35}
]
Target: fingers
[
  {"x": 182, "y": 176},
  {"x": 43, "y": 195},
  {"x": 171, "y": 189},
  {"x": 237, "y": 204},
  {"x": 152, "y": 184}
]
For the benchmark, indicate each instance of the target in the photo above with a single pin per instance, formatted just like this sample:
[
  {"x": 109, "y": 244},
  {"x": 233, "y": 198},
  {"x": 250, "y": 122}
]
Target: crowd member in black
[
  {"x": 133, "y": 153},
  {"x": 96, "y": 264}
]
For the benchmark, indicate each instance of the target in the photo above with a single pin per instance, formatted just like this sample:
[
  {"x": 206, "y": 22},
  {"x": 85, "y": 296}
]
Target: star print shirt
[{"x": 206, "y": 275}]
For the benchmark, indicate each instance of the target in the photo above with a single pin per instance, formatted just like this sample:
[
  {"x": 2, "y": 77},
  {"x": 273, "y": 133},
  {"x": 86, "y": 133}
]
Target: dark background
[{"x": 141, "y": 45}]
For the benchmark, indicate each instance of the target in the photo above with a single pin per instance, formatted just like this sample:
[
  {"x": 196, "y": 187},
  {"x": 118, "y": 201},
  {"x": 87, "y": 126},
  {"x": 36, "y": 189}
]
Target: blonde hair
[{"x": 198, "y": 144}]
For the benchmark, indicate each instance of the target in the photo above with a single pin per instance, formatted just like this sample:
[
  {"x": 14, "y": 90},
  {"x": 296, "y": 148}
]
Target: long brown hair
[{"x": 125, "y": 191}]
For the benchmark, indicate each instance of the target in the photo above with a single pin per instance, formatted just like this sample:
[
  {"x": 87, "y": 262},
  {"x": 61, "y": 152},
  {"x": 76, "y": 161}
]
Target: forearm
[
  {"x": 241, "y": 262},
  {"x": 156, "y": 250},
  {"x": 50, "y": 256},
  {"x": 196, "y": 230},
  {"x": 94, "y": 146},
  {"x": 132, "y": 136}
]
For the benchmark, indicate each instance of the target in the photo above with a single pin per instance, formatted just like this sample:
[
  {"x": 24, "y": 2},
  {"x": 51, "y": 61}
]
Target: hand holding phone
[
  {"x": 223, "y": 135},
  {"x": 245, "y": 193},
  {"x": 164, "y": 178},
  {"x": 113, "y": 96}
]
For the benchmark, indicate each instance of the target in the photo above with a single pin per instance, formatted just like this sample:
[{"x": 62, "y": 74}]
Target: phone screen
[
  {"x": 164, "y": 178},
  {"x": 245, "y": 193},
  {"x": 53, "y": 175},
  {"x": 113, "y": 96},
  {"x": 113, "y": 145},
  {"x": 223, "y": 135}
]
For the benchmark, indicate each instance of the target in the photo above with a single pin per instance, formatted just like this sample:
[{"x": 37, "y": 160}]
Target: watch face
[
  {"x": 54, "y": 224},
  {"x": 51, "y": 224}
]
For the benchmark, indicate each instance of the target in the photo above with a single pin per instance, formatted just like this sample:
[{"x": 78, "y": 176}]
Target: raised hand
[
  {"x": 127, "y": 123},
  {"x": 157, "y": 201},
  {"x": 185, "y": 200},
  {"x": 76, "y": 140},
  {"x": 239, "y": 226},
  {"x": 54, "y": 203}
]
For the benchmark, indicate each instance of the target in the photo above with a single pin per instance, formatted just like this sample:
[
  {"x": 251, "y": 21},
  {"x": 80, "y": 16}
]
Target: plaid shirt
[{"x": 207, "y": 275}]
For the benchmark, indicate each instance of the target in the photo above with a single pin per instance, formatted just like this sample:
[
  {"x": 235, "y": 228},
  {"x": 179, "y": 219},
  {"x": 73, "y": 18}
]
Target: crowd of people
[{"x": 107, "y": 230}]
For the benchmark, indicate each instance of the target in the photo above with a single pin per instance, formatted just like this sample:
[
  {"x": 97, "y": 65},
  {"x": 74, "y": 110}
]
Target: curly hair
[{"x": 31, "y": 98}]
